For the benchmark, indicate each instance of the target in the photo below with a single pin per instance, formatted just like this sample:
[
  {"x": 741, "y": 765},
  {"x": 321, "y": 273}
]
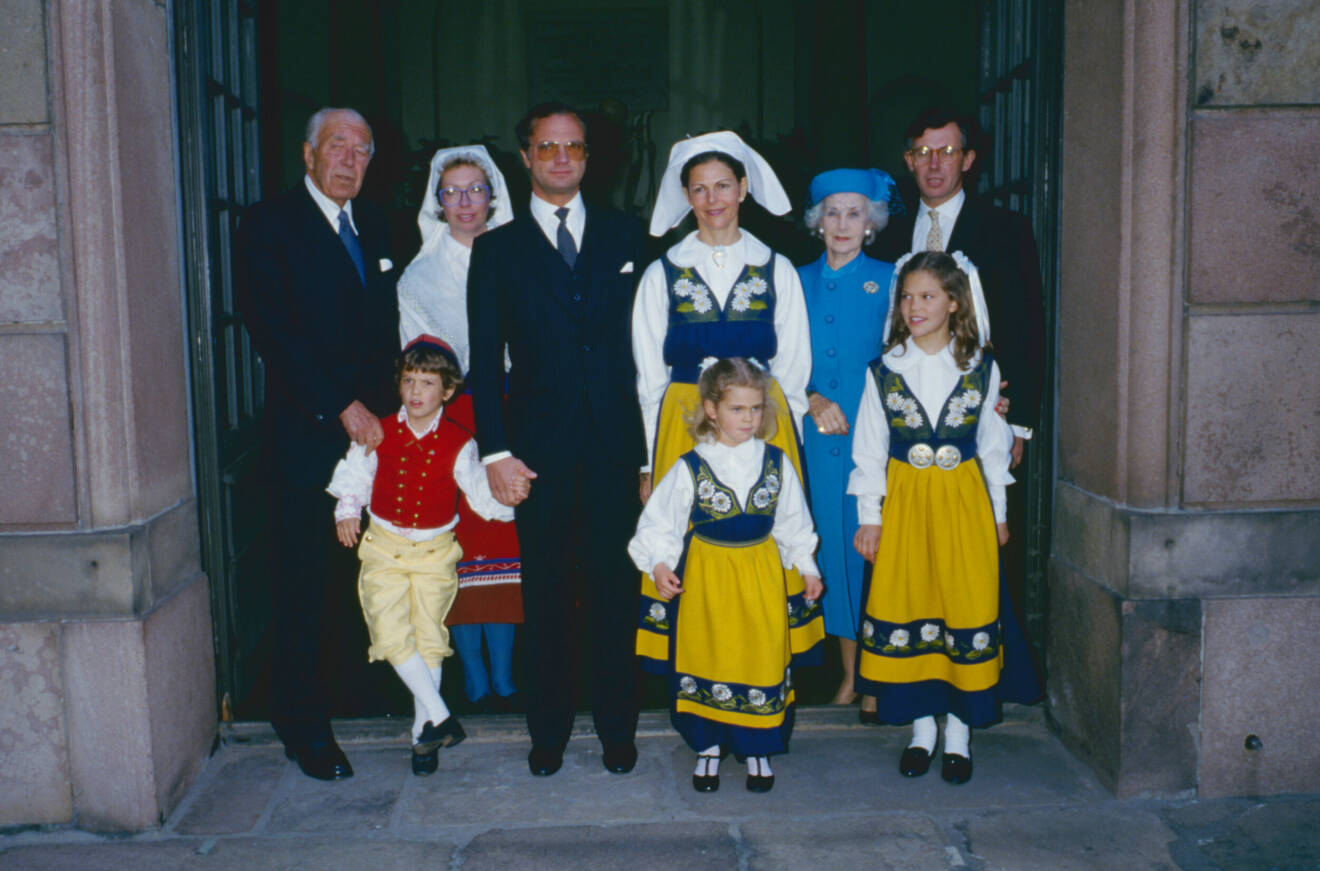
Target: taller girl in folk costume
[
  {"x": 720, "y": 292},
  {"x": 929, "y": 447},
  {"x": 465, "y": 196},
  {"x": 717, "y": 535}
]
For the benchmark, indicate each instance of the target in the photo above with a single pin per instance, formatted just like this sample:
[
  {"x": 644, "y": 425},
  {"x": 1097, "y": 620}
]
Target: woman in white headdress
[
  {"x": 718, "y": 293},
  {"x": 465, "y": 196}
]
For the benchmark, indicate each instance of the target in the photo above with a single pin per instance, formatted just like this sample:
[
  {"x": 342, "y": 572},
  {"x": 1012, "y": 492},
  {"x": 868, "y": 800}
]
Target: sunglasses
[{"x": 548, "y": 149}]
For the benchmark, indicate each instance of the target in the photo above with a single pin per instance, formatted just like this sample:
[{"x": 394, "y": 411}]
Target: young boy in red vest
[{"x": 410, "y": 486}]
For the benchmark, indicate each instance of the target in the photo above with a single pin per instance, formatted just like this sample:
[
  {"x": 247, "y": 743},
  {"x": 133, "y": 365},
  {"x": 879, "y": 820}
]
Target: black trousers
[
  {"x": 302, "y": 538},
  {"x": 579, "y": 587}
]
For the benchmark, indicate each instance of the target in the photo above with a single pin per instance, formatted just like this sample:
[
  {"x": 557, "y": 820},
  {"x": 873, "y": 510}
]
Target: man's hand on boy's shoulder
[{"x": 362, "y": 426}]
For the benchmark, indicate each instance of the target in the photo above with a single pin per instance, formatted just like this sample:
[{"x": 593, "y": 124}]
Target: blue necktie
[
  {"x": 567, "y": 248},
  {"x": 350, "y": 240}
]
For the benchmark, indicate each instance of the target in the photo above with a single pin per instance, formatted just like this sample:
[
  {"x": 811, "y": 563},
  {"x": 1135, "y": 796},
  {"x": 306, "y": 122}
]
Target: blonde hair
[{"x": 715, "y": 381}]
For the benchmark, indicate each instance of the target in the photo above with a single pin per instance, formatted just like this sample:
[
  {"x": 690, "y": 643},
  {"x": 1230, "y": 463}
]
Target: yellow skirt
[
  {"x": 933, "y": 606},
  {"x": 732, "y": 642},
  {"x": 672, "y": 441}
]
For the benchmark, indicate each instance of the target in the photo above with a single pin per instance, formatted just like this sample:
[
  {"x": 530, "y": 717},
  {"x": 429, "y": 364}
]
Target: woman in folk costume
[
  {"x": 931, "y": 470},
  {"x": 465, "y": 196},
  {"x": 720, "y": 292}
]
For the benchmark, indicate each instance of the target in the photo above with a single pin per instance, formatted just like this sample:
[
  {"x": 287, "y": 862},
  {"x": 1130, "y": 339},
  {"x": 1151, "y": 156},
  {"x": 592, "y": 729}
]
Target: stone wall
[
  {"x": 1186, "y": 567},
  {"x": 105, "y": 634}
]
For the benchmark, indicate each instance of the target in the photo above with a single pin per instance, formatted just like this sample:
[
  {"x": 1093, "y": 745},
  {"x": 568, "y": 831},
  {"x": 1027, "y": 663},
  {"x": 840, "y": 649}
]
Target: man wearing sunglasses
[{"x": 555, "y": 286}]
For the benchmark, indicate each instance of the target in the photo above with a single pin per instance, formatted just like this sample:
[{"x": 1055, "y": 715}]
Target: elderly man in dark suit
[
  {"x": 316, "y": 291},
  {"x": 556, "y": 287}
]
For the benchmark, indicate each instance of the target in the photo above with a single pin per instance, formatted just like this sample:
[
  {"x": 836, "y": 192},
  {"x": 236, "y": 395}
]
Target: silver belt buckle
[
  {"x": 920, "y": 455},
  {"x": 948, "y": 457}
]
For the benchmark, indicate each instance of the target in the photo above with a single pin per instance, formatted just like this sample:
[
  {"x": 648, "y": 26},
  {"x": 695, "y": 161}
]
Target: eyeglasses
[
  {"x": 476, "y": 195},
  {"x": 943, "y": 155},
  {"x": 547, "y": 150}
]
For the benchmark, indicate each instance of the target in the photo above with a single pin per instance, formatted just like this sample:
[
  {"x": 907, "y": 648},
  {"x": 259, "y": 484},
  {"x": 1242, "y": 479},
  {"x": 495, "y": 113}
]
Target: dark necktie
[
  {"x": 350, "y": 240},
  {"x": 567, "y": 248}
]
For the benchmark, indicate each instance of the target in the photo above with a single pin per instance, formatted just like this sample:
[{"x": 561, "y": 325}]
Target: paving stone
[
  {"x": 233, "y": 798},
  {"x": 693, "y": 846},
  {"x": 104, "y": 856},
  {"x": 1110, "y": 837},
  {"x": 892, "y": 842},
  {"x": 496, "y": 786},
  {"x": 1280, "y": 836},
  {"x": 363, "y": 803}
]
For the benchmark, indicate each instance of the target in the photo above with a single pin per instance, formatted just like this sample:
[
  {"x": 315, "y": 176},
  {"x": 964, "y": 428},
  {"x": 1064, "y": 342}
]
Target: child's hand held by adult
[
  {"x": 510, "y": 480},
  {"x": 666, "y": 581},
  {"x": 867, "y": 540},
  {"x": 813, "y": 587}
]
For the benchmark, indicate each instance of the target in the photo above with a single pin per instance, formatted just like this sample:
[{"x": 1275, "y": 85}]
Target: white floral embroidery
[
  {"x": 721, "y": 692},
  {"x": 705, "y": 489},
  {"x": 980, "y": 641},
  {"x": 696, "y": 293},
  {"x": 899, "y": 638},
  {"x": 868, "y": 629},
  {"x": 743, "y": 292},
  {"x": 721, "y": 503},
  {"x": 949, "y": 641},
  {"x": 656, "y": 612},
  {"x": 960, "y": 405},
  {"x": 929, "y": 631},
  {"x": 907, "y": 405},
  {"x": 756, "y": 697},
  {"x": 894, "y": 400},
  {"x": 761, "y": 497},
  {"x": 772, "y": 482},
  {"x": 687, "y": 684}
]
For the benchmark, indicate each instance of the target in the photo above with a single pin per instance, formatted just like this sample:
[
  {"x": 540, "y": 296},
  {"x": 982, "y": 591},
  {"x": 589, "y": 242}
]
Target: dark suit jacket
[
  {"x": 572, "y": 386},
  {"x": 1002, "y": 246},
  {"x": 324, "y": 338}
]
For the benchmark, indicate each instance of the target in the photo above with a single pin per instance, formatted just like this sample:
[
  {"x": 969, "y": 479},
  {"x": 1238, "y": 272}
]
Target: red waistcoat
[{"x": 415, "y": 486}]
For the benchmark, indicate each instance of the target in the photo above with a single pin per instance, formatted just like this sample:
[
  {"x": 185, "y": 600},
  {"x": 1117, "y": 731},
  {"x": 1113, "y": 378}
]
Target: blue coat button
[
  {"x": 834, "y": 382},
  {"x": 834, "y": 452},
  {"x": 829, "y": 319},
  {"x": 829, "y": 352},
  {"x": 830, "y": 285}
]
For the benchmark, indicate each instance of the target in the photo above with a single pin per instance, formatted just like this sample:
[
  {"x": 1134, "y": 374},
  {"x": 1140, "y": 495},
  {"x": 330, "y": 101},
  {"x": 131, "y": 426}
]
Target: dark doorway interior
[{"x": 857, "y": 71}]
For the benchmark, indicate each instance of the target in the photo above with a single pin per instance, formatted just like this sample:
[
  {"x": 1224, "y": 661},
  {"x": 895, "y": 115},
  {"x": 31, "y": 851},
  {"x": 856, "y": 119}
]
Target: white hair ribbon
[
  {"x": 893, "y": 296},
  {"x": 671, "y": 203},
  {"x": 978, "y": 297}
]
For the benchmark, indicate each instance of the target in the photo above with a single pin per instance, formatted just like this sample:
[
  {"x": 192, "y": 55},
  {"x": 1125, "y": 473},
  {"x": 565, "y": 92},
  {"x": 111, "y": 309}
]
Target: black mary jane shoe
[
  {"x": 914, "y": 762},
  {"x": 706, "y": 782},
  {"x": 760, "y": 782},
  {"x": 425, "y": 763},
  {"x": 433, "y": 737},
  {"x": 956, "y": 769}
]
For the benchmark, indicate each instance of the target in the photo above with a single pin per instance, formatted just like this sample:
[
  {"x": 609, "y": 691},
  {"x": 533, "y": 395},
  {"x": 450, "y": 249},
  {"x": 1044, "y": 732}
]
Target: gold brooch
[{"x": 871, "y": 287}]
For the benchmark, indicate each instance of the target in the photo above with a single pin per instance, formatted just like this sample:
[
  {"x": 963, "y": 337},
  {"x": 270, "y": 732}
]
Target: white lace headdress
[{"x": 671, "y": 203}]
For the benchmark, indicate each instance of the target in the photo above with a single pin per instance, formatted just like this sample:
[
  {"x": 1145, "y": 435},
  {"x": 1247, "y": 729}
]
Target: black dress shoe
[
  {"x": 433, "y": 737},
  {"x": 914, "y": 762},
  {"x": 706, "y": 782},
  {"x": 759, "y": 782},
  {"x": 425, "y": 763},
  {"x": 544, "y": 763},
  {"x": 955, "y": 768},
  {"x": 320, "y": 759},
  {"x": 619, "y": 758}
]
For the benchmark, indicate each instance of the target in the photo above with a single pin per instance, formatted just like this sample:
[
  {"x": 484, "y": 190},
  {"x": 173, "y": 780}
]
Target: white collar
[
  {"x": 402, "y": 417},
  {"x": 949, "y": 209},
  {"x": 908, "y": 356},
  {"x": 544, "y": 210},
  {"x": 746, "y": 454},
  {"x": 691, "y": 251},
  {"x": 329, "y": 207}
]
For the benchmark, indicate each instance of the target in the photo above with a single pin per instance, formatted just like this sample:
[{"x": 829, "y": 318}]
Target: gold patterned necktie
[{"x": 935, "y": 238}]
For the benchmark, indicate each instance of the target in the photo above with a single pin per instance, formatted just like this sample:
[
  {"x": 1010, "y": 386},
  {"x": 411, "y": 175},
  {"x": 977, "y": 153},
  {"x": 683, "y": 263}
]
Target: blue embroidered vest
[
  {"x": 716, "y": 513},
  {"x": 700, "y": 328},
  {"x": 956, "y": 425}
]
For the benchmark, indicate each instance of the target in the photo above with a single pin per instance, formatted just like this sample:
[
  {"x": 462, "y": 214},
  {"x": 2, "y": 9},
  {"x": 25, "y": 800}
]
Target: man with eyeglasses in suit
[{"x": 555, "y": 286}]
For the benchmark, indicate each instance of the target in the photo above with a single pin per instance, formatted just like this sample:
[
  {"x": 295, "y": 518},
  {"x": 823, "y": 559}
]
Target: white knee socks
[
  {"x": 923, "y": 733},
  {"x": 708, "y": 762},
  {"x": 427, "y": 704},
  {"x": 957, "y": 737}
]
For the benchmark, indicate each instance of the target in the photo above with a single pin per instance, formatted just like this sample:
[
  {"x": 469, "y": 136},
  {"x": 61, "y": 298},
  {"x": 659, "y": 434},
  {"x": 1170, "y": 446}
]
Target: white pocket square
[
  {"x": 627, "y": 267},
  {"x": 386, "y": 264}
]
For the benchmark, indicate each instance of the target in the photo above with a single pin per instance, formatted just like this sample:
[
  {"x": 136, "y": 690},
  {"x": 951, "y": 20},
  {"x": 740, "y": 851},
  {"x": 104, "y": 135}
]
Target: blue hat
[{"x": 874, "y": 184}]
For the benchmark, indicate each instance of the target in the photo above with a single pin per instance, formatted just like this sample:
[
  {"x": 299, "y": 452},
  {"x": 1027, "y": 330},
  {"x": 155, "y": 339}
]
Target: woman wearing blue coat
[{"x": 847, "y": 295}]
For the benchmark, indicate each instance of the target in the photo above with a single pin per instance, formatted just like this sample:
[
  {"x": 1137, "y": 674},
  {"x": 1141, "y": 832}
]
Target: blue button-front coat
[{"x": 846, "y": 310}]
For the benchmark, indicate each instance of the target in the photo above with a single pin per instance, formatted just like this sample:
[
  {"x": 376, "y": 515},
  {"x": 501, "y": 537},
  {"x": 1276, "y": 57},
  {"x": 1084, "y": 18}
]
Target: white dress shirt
[
  {"x": 948, "y": 210},
  {"x": 791, "y": 365},
  {"x": 544, "y": 214},
  {"x": 329, "y": 207},
  {"x": 664, "y": 522},
  {"x": 931, "y": 378}
]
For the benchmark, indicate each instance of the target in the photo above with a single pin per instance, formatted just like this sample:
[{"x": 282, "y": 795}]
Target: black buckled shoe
[
  {"x": 706, "y": 782},
  {"x": 914, "y": 762},
  {"x": 956, "y": 769},
  {"x": 759, "y": 782},
  {"x": 425, "y": 763},
  {"x": 433, "y": 737},
  {"x": 619, "y": 758}
]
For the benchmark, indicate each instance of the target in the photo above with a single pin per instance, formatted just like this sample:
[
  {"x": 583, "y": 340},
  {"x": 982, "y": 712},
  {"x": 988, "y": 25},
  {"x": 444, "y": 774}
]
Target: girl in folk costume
[
  {"x": 411, "y": 486},
  {"x": 465, "y": 196},
  {"x": 720, "y": 292},
  {"x": 717, "y": 535},
  {"x": 930, "y": 449}
]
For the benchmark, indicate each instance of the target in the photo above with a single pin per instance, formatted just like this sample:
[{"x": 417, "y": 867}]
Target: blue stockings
[{"x": 477, "y": 681}]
